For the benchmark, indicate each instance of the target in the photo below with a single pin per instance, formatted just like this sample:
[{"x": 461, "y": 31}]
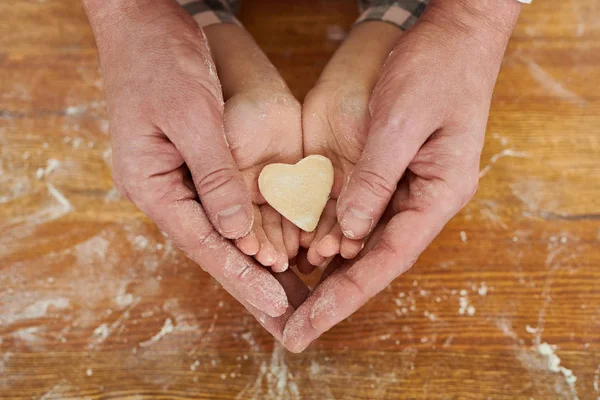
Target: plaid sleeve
[
  {"x": 402, "y": 13},
  {"x": 209, "y": 12}
]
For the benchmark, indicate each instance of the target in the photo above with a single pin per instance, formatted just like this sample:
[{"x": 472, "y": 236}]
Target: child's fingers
[
  {"x": 306, "y": 238},
  {"x": 267, "y": 255},
  {"x": 291, "y": 237},
  {"x": 326, "y": 223},
  {"x": 249, "y": 244},
  {"x": 330, "y": 245},
  {"x": 272, "y": 226},
  {"x": 314, "y": 257},
  {"x": 350, "y": 248}
]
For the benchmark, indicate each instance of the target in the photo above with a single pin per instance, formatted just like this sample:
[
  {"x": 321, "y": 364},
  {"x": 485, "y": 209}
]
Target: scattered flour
[
  {"x": 336, "y": 33},
  {"x": 30, "y": 336},
  {"x": 112, "y": 195},
  {"x": 274, "y": 380},
  {"x": 75, "y": 110},
  {"x": 448, "y": 341},
  {"x": 553, "y": 364},
  {"x": 531, "y": 330},
  {"x": 53, "y": 393},
  {"x": 19, "y": 225},
  {"x": 165, "y": 330},
  {"x": 39, "y": 309},
  {"x": 540, "y": 360},
  {"x": 429, "y": 315},
  {"x": 406, "y": 302},
  {"x": 140, "y": 242},
  {"x": 249, "y": 337},
  {"x": 550, "y": 84},
  {"x": 483, "y": 289},
  {"x": 93, "y": 250},
  {"x": 102, "y": 332},
  {"x": 464, "y": 307},
  {"x": 62, "y": 200},
  {"x": 496, "y": 157},
  {"x": 103, "y": 125},
  {"x": 124, "y": 299},
  {"x": 502, "y": 139},
  {"x": 76, "y": 142},
  {"x": 537, "y": 196},
  {"x": 51, "y": 165}
]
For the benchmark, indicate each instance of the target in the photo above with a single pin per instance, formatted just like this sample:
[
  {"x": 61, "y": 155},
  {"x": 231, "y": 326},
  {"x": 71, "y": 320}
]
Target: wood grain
[{"x": 89, "y": 287}]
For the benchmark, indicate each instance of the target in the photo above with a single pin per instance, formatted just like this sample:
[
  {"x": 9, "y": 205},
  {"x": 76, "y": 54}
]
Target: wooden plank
[{"x": 90, "y": 288}]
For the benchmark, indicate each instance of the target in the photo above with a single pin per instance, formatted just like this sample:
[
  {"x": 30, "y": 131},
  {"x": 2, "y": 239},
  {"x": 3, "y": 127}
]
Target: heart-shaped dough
[{"x": 299, "y": 192}]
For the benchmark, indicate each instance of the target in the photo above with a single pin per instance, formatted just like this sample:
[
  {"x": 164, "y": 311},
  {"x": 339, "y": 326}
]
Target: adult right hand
[
  {"x": 166, "y": 122},
  {"x": 414, "y": 161}
]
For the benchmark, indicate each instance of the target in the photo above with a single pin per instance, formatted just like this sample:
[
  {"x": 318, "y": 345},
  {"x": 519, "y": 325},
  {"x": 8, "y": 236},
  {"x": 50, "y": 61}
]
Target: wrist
[
  {"x": 492, "y": 19},
  {"x": 104, "y": 13},
  {"x": 358, "y": 61}
]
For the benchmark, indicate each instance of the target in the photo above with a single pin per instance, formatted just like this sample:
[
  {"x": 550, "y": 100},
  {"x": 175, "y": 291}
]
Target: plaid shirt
[
  {"x": 208, "y": 12},
  {"x": 402, "y": 13}
]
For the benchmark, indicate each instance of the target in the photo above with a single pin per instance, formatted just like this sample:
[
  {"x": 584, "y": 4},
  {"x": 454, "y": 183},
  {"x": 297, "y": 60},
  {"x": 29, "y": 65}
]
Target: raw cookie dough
[{"x": 299, "y": 192}]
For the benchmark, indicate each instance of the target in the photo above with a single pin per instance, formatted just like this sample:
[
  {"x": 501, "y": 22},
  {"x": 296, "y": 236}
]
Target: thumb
[
  {"x": 223, "y": 194},
  {"x": 391, "y": 145}
]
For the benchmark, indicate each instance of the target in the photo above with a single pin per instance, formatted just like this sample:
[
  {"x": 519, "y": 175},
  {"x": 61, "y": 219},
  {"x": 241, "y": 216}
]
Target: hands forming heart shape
[{"x": 197, "y": 114}]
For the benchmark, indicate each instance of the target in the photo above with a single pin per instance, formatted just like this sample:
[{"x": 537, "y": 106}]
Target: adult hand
[
  {"x": 166, "y": 113},
  {"x": 420, "y": 160}
]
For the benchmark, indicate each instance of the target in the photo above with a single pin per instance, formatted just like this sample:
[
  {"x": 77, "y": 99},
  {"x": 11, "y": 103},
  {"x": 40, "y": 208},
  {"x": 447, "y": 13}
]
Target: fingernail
[
  {"x": 233, "y": 219},
  {"x": 356, "y": 224}
]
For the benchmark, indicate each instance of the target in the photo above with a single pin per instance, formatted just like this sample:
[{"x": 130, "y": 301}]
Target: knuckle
[
  {"x": 215, "y": 180},
  {"x": 385, "y": 245},
  {"x": 207, "y": 241},
  {"x": 126, "y": 183},
  {"x": 376, "y": 184},
  {"x": 462, "y": 191},
  {"x": 190, "y": 108},
  {"x": 129, "y": 181},
  {"x": 351, "y": 281},
  {"x": 244, "y": 272}
]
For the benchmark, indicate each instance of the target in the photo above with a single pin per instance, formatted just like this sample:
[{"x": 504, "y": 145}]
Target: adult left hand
[{"x": 417, "y": 160}]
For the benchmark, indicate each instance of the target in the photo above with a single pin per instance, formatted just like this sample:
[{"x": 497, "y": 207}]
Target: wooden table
[{"x": 96, "y": 303}]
